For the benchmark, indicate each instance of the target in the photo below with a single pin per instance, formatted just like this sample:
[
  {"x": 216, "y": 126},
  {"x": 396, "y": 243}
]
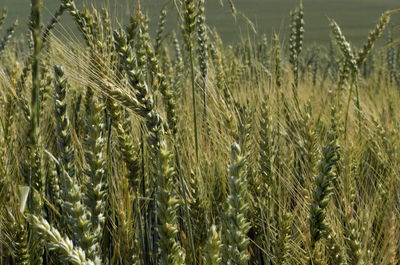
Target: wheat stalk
[
  {"x": 236, "y": 226},
  {"x": 63, "y": 245},
  {"x": 323, "y": 189}
]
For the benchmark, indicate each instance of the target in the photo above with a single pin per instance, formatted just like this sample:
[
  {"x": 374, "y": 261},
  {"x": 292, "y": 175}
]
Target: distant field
[{"x": 355, "y": 16}]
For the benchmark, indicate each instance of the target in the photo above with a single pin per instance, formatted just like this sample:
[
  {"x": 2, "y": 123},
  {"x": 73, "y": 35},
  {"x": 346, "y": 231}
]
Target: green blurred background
[{"x": 356, "y": 17}]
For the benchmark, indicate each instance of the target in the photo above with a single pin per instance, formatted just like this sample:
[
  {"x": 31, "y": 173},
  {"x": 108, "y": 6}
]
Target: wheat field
[{"x": 121, "y": 148}]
